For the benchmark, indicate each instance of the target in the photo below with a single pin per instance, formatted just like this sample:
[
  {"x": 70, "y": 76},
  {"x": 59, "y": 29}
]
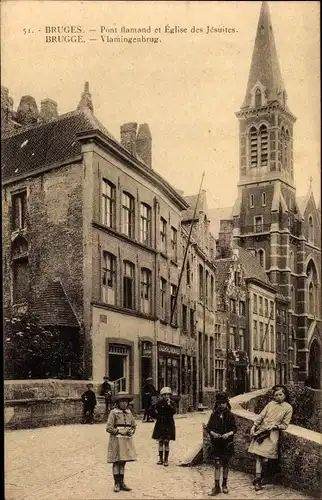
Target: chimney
[
  {"x": 5, "y": 107},
  {"x": 48, "y": 110},
  {"x": 144, "y": 144},
  {"x": 128, "y": 137},
  {"x": 86, "y": 99},
  {"x": 27, "y": 113}
]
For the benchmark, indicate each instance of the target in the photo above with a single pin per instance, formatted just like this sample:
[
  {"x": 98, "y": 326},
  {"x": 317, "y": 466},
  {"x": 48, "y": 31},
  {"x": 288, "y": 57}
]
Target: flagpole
[{"x": 186, "y": 251}]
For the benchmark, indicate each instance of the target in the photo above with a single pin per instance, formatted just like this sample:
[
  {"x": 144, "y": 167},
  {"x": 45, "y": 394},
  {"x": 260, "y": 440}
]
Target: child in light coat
[
  {"x": 121, "y": 427},
  {"x": 265, "y": 432}
]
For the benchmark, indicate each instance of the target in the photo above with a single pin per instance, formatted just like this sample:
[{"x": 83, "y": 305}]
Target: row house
[
  {"x": 92, "y": 243},
  {"x": 232, "y": 318},
  {"x": 198, "y": 296}
]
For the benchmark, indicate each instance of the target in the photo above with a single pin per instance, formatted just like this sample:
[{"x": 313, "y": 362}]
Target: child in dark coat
[
  {"x": 221, "y": 428},
  {"x": 164, "y": 429},
  {"x": 89, "y": 403}
]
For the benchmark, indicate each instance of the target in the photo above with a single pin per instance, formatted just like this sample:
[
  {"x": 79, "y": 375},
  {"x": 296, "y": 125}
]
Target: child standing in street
[
  {"x": 164, "y": 429},
  {"x": 121, "y": 426},
  {"x": 221, "y": 428},
  {"x": 89, "y": 403},
  {"x": 265, "y": 432}
]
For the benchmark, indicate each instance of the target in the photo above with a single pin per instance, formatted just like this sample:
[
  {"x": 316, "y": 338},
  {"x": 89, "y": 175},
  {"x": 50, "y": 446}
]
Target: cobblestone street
[{"x": 69, "y": 462}]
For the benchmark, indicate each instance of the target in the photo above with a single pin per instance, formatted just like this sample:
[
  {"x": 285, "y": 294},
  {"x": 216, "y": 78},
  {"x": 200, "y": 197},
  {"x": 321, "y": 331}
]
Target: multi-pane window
[
  {"x": 20, "y": 275},
  {"x": 163, "y": 235},
  {"x": 19, "y": 210},
  {"x": 173, "y": 304},
  {"x": 109, "y": 278},
  {"x": 254, "y": 303},
  {"x": 108, "y": 204},
  {"x": 266, "y": 308},
  {"x": 145, "y": 224},
  {"x": 255, "y": 335},
  {"x": 217, "y": 337},
  {"x": 211, "y": 363},
  {"x": 258, "y": 224},
  {"x": 163, "y": 291},
  {"x": 192, "y": 322},
  {"x": 184, "y": 318},
  {"x": 232, "y": 338},
  {"x": 212, "y": 292},
  {"x": 241, "y": 308},
  {"x": 261, "y": 306},
  {"x": 146, "y": 291},
  {"x": 128, "y": 285},
  {"x": 201, "y": 288},
  {"x": 272, "y": 338},
  {"x": 174, "y": 243},
  {"x": 261, "y": 335},
  {"x": 241, "y": 339},
  {"x": 128, "y": 214}
]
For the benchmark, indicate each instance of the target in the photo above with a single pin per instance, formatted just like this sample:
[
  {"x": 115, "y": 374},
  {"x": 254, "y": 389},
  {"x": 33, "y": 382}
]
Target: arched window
[
  {"x": 311, "y": 299},
  {"x": 261, "y": 256},
  {"x": 311, "y": 230},
  {"x": 264, "y": 145},
  {"x": 253, "y": 146},
  {"x": 258, "y": 98}
]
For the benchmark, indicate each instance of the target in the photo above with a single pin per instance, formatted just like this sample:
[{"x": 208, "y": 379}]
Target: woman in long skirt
[{"x": 121, "y": 427}]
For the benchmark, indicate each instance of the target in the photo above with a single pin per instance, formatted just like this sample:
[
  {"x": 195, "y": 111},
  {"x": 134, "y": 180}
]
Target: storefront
[{"x": 169, "y": 367}]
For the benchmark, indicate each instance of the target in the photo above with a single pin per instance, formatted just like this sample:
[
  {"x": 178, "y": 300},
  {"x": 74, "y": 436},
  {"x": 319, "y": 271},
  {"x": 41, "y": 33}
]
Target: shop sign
[{"x": 169, "y": 349}]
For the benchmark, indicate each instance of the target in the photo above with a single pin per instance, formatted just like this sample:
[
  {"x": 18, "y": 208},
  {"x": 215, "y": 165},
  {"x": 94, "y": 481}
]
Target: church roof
[{"x": 265, "y": 68}]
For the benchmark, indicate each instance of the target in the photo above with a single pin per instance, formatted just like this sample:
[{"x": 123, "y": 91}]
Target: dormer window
[{"x": 258, "y": 98}]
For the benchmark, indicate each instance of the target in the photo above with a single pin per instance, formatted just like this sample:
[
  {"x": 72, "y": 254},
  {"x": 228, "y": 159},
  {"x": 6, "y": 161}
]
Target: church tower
[{"x": 266, "y": 218}]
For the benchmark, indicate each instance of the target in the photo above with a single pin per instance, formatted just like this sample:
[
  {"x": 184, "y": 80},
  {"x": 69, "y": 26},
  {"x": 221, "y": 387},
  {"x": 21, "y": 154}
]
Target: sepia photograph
[{"x": 161, "y": 249}]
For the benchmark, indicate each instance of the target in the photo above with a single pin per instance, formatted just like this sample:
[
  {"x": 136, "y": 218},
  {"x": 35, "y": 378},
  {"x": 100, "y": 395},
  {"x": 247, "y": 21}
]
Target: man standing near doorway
[
  {"x": 148, "y": 391},
  {"x": 106, "y": 392}
]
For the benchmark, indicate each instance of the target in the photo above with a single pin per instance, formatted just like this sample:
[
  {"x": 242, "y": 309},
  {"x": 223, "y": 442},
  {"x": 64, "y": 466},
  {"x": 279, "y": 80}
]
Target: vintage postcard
[{"x": 161, "y": 222}]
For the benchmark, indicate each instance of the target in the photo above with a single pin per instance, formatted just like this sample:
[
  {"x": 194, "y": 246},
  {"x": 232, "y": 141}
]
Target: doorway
[
  {"x": 119, "y": 367},
  {"x": 315, "y": 365}
]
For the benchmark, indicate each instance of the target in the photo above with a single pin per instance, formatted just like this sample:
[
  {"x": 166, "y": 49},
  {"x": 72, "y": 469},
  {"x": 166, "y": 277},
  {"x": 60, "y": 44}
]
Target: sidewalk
[{"x": 69, "y": 462}]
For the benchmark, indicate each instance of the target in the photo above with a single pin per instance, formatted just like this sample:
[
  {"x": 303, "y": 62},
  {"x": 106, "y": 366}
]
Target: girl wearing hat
[
  {"x": 221, "y": 428},
  {"x": 265, "y": 432},
  {"x": 164, "y": 429},
  {"x": 121, "y": 427}
]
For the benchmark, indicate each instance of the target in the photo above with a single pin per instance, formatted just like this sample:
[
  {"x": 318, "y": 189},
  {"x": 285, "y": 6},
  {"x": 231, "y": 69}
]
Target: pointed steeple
[
  {"x": 86, "y": 99},
  {"x": 265, "y": 73}
]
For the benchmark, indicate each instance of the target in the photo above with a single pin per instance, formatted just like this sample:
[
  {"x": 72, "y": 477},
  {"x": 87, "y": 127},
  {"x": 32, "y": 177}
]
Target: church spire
[
  {"x": 86, "y": 99},
  {"x": 265, "y": 74}
]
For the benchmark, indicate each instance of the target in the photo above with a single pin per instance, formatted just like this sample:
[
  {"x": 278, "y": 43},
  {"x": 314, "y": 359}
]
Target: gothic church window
[
  {"x": 253, "y": 147},
  {"x": 311, "y": 230},
  {"x": 258, "y": 98},
  {"x": 264, "y": 145}
]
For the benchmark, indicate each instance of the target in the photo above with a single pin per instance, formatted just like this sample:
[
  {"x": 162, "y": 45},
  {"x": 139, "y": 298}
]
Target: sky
[{"x": 187, "y": 87}]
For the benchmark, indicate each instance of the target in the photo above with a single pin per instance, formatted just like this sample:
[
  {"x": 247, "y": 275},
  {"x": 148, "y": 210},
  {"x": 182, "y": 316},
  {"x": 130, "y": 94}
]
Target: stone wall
[
  {"x": 301, "y": 450},
  {"x": 40, "y": 403}
]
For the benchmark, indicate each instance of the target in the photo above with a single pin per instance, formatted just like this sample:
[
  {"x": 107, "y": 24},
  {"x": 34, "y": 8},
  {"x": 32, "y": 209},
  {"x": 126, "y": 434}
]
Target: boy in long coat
[
  {"x": 121, "y": 427},
  {"x": 89, "y": 403}
]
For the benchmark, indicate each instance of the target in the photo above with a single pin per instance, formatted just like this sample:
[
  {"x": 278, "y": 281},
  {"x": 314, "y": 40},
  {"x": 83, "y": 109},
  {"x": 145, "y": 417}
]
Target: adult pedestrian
[
  {"x": 89, "y": 403},
  {"x": 148, "y": 392},
  {"x": 106, "y": 392}
]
